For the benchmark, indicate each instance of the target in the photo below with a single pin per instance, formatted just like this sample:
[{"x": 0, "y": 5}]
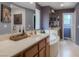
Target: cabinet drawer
[
  {"x": 31, "y": 51},
  {"x": 41, "y": 44}
]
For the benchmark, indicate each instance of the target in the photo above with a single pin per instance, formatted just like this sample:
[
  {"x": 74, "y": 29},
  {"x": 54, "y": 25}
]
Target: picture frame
[
  {"x": 5, "y": 13},
  {"x": 17, "y": 19}
]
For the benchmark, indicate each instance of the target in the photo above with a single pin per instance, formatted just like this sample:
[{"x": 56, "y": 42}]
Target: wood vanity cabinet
[
  {"x": 31, "y": 52},
  {"x": 40, "y": 49},
  {"x": 47, "y": 47},
  {"x": 42, "y": 44},
  {"x": 42, "y": 53},
  {"x": 47, "y": 50}
]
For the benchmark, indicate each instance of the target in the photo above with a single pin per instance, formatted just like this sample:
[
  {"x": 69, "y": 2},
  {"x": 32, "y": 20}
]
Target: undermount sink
[{"x": 19, "y": 37}]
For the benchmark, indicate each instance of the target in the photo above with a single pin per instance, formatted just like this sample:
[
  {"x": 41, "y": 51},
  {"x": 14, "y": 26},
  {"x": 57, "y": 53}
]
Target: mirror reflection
[{"x": 16, "y": 17}]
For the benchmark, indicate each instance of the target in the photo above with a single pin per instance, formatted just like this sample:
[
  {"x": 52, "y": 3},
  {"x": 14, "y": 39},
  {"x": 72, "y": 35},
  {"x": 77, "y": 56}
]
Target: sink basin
[{"x": 19, "y": 37}]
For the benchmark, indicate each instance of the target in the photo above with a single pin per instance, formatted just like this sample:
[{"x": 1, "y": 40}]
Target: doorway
[{"x": 67, "y": 25}]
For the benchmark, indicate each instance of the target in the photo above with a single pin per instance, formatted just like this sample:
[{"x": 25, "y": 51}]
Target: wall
[
  {"x": 5, "y": 28},
  {"x": 77, "y": 23},
  {"x": 45, "y": 17},
  {"x": 74, "y": 27}
]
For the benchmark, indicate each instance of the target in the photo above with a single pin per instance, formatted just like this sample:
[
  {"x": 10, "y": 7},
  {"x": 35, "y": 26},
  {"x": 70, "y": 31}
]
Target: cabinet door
[
  {"x": 41, "y": 44},
  {"x": 42, "y": 53},
  {"x": 47, "y": 50},
  {"x": 31, "y": 52}
]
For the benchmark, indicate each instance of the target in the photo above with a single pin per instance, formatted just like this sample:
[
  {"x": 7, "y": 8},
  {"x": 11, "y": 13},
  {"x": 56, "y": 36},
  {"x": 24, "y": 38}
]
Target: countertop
[{"x": 10, "y": 48}]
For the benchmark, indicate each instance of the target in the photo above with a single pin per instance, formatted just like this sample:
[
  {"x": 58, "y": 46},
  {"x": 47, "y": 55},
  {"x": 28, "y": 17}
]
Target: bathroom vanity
[
  {"x": 39, "y": 49},
  {"x": 34, "y": 46}
]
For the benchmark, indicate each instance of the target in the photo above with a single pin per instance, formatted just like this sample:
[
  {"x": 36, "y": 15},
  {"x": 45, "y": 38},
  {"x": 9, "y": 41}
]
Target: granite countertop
[{"x": 10, "y": 48}]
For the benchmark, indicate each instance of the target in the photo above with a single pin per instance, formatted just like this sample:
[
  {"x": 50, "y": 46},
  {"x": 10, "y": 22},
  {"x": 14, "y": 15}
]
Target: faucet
[{"x": 23, "y": 32}]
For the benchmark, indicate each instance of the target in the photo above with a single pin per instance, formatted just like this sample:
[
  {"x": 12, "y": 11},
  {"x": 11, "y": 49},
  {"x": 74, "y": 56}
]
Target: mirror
[{"x": 16, "y": 17}]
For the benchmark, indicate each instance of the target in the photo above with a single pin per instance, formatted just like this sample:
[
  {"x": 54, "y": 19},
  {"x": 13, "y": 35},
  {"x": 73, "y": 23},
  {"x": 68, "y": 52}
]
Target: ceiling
[
  {"x": 26, "y": 5},
  {"x": 54, "y": 5}
]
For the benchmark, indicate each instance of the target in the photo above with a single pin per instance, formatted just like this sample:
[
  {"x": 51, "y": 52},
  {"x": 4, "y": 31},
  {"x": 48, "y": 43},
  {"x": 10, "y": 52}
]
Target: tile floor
[{"x": 68, "y": 48}]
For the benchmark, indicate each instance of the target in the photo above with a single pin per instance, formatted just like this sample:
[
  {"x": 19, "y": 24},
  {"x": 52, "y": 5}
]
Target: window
[{"x": 67, "y": 20}]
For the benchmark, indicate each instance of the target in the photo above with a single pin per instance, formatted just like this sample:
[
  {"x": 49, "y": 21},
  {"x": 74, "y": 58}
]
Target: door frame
[{"x": 63, "y": 25}]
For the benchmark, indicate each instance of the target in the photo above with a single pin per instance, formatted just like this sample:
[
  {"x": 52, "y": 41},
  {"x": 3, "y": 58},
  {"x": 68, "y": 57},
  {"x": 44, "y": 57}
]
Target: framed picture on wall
[
  {"x": 17, "y": 19},
  {"x": 5, "y": 13}
]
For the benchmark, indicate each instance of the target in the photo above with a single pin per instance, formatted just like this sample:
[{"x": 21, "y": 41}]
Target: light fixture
[{"x": 62, "y": 5}]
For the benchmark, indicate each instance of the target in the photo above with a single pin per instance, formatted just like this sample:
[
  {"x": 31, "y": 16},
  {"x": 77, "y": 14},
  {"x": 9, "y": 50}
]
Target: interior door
[{"x": 67, "y": 20}]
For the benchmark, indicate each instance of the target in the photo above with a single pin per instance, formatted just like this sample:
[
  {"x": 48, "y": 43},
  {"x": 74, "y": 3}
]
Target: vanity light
[{"x": 61, "y": 5}]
